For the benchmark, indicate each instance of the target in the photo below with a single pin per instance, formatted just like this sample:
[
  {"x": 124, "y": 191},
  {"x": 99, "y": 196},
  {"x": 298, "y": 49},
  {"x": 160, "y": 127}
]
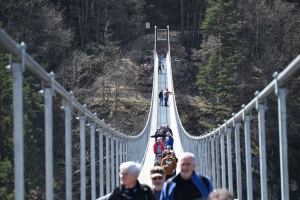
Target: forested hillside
[{"x": 230, "y": 49}]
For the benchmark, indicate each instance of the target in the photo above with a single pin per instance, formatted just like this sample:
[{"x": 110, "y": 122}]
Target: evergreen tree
[
  {"x": 215, "y": 83},
  {"x": 216, "y": 77},
  {"x": 33, "y": 134},
  {"x": 6, "y": 137},
  {"x": 221, "y": 20}
]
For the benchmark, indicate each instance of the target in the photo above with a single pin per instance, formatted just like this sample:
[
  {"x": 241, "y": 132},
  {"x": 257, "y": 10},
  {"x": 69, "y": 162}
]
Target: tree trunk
[
  {"x": 79, "y": 19},
  {"x": 103, "y": 91},
  {"x": 85, "y": 22},
  {"x": 97, "y": 25},
  {"x": 83, "y": 28},
  {"x": 105, "y": 11},
  {"x": 188, "y": 26},
  {"x": 195, "y": 28},
  {"x": 117, "y": 25},
  {"x": 182, "y": 24}
]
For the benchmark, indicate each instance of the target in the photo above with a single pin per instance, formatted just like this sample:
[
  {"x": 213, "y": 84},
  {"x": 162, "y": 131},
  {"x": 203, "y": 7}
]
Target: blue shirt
[{"x": 170, "y": 142}]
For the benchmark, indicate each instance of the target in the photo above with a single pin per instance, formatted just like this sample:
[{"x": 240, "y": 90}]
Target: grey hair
[
  {"x": 131, "y": 167},
  {"x": 187, "y": 155}
]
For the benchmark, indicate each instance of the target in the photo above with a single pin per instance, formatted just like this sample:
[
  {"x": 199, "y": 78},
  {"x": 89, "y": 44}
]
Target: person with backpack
[
  {"x": 130, "y": 188},
  {"x": 187, "y": 184}
]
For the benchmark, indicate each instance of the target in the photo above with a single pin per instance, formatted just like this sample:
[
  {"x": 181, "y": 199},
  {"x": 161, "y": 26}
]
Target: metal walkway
[{"x": 163, "y": 112}]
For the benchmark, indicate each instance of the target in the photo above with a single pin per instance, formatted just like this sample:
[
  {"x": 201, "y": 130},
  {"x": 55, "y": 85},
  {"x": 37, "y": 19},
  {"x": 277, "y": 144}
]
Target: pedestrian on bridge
[
  {"x": 159, "y": 160},
  {"x": 174, "y": 156},
  {"x": 170, "y": 141},
  {"x": 166, "y": 96},
  {"x": 158, "y": 177},
  {"x": 168, "y": 129},
  {"x": 169, "y": 165},
  {"x": 159, "y": 133},
  {"x": 161, "y": 98},
  {"x": 220, "y": 194},
  {"x": 160, "y": 61},
  {"x": 187, "y": 184},
  {"x": 130, "y": 187},
  {"x": 158, "y": 147},
  {"x": 159, "y": 68},
  {"x": 167, "y": 149}
]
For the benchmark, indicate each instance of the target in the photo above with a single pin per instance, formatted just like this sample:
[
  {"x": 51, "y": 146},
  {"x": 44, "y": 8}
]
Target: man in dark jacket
[
  {"x": 187, "y": 184},
  {"x": 159, "y": 133},
  {"x": 168, "y": 129},
  {"x": 161, "y": 98},
  {"x": 130, "y": 187}
]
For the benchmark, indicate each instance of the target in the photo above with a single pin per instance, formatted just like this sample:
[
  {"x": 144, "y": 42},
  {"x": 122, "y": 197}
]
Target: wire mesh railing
[
  {"x": 119, "y": 146},
  {"x": 216, "y": 153}
]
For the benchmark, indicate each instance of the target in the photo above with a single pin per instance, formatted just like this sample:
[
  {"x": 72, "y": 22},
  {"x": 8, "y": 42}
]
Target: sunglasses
[{"x": 157, "y": 178}]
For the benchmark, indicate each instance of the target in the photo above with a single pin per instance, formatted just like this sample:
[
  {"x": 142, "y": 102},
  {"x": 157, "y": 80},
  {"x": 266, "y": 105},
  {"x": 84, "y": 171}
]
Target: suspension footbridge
[{"x": 218, "y": 153}]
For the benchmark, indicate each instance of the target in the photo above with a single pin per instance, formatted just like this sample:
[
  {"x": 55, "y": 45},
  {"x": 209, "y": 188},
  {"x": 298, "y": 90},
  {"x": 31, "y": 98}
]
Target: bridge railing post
[
  {"x": 82, "y": 119},
  {"x": 17, "y": 72},
  {"x": 261, "y": 108},
  {"x": 127, "y": 151},
  {"x": 237, "y": 125},
  {"x": 213, "y": 158},
  {"x": 117, "y": 161},
  {"x": 223, "y": 163},
  {"x": 217, "y": 139},
  {"x": 247, "y": 119},
  {"x": 101, "y": 166},
  {"x": 107, "y": 170},
  {"x": 93, "y": 160},
  {"x": 112, "y": 162},
  {"x": 209, "y": 157},
  {"x": 48, "y": 92},
  {"x": 68, "y": 151},
  {"x": 229, "y": 159},
  {"x": 283, "y": 143}
]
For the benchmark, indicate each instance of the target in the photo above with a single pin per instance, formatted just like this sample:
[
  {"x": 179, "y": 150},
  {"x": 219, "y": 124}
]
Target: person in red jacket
[
  {"x": 166, "y": 96},
  {"x": 158, "y": 147}
]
